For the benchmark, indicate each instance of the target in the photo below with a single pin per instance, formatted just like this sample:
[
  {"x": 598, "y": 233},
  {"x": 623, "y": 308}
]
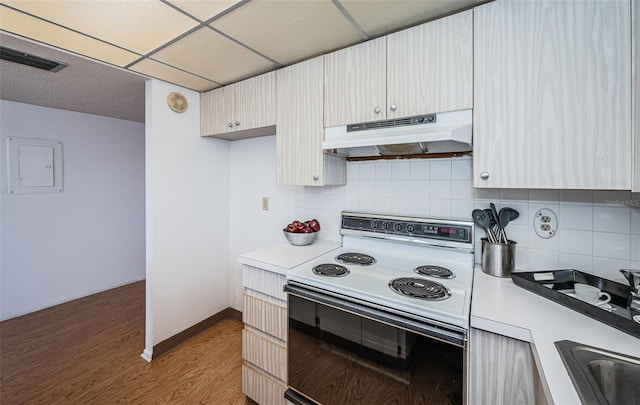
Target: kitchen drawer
[
  {"x": 265, "y": 354},
  {"x": 261, "y": 388},
  {"x": 264, "y": 281},
  {"x": 266, "y": 316}
]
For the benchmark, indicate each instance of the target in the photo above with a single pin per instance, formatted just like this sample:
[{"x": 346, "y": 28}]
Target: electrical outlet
[
  {"x": 545, "y": 223},
  {"x": 265, "y": 203}
]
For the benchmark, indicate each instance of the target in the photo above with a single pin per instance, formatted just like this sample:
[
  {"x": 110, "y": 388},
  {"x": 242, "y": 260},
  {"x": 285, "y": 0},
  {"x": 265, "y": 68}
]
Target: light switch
[{"x": 265, "y": 203}]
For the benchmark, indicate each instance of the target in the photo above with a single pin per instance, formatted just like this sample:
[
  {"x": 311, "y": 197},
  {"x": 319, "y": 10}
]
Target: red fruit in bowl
[
  {"x": 300, "y": 227},
  {"x": 307, "y": 230},
  {"x": 314, "y": 225},
  {"x": 291, "y": 228}
]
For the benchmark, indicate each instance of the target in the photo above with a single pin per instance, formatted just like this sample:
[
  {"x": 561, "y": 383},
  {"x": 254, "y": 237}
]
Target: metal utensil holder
[{"x": 498, "y": 259}]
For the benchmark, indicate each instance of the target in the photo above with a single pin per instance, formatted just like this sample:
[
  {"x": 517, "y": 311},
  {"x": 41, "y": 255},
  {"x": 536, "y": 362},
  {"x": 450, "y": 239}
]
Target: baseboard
[
  {"x": 146, "y": 356},
  {"x": 177, "y": 339}
]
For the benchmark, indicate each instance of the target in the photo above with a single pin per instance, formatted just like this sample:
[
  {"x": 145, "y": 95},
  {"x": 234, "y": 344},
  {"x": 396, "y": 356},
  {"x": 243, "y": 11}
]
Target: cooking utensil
[
  {"x": 493, "y": 224},
  {"x": 506, "y": 215},
  {"x": 483, "y": 221},
  {"x": 497, "y": 220}
]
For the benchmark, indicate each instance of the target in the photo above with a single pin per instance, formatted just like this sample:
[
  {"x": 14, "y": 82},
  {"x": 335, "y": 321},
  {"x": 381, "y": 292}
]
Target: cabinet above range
[
  {"x": 240, "y": 110},
  {"x": 425, "y": 69}
]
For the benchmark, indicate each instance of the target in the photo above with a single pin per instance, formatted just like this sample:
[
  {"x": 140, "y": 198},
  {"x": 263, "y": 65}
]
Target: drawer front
[
  {"x": 265, "y": 354},
  {"x": 266, "y": 316},
  {"x": 261, "y": 388},
  {"x": 264, "y": 281}
]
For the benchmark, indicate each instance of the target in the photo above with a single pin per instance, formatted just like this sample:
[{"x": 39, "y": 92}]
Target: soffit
[{"x": 83, "y": 86}]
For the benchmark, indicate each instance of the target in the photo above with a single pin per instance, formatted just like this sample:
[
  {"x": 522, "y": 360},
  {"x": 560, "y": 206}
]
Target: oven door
[{"x": 344, "y": 352}]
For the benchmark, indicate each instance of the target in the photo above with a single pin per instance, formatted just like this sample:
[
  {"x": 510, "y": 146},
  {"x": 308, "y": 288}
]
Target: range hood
[{"x": 422, "y": 134}]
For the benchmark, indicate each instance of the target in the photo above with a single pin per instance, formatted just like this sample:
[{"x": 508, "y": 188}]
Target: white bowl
[{"x": 300, "y": 239}]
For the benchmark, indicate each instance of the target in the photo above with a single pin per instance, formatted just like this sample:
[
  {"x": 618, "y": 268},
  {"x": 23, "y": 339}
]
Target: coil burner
[
  {"x": 419, "y": 288},
  {"x": 330, "y": 270},
  {"x": 434, "y": 271},
  {"x": 355, "y": 258}
]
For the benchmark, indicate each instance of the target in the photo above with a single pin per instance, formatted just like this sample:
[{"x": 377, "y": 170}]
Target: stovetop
[{"x": 393, "y": 259}]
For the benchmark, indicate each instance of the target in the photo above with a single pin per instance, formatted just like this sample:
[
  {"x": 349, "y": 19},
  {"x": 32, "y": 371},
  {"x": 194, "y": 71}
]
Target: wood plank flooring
[{"x": 88, "y": 352}]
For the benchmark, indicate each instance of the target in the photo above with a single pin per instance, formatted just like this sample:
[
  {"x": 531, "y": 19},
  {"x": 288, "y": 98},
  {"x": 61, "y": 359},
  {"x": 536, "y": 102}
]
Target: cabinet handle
[
  {"x": 237, "y": 123},
  {"x": 376, "y": 110},
  {"x": 230, "y": 125},
  {"x": 316, "y": 178},
  {"x": 393, "y": 107},
  {"x": 484, "y": 175}
]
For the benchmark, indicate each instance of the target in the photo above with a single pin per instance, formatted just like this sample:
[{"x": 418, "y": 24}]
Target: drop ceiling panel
[
  {"x": 139, "y": 26},
  {"x": 169, "y": 74},
  {"x": 377, "y": 18},
  {"x": 29, "y": 27},
  {"x": 211, "y": 55},
  {"x": 289, "y": 30},
  {"x": 203, "y": 10}
]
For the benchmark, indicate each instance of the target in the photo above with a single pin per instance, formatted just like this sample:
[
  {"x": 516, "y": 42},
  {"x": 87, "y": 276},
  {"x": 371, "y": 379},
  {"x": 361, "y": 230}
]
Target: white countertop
[
  {"x": 279, "y": 258},
  {"x": 501, "y": 307}
]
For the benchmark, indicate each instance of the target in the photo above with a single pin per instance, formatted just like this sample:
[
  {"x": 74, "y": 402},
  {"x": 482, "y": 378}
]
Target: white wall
[
  {"x": 187, "y": 194},
  {"x": 599, "y": 231},
  {"x": 61, "y": 246},
  {"x": 252, "y": 176}
]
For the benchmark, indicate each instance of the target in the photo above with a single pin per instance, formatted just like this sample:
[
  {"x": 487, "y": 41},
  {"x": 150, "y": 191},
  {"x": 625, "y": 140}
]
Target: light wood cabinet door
[
  {"x": 430, "y": 67},
  {"x": 256, "y": 102},
  {"x": 552, "y": 106},
  {"x": 217, "y": 111},
  {"x": 355, "y": 84},
  {"x": 635, "y": 26},
  {"x": 502, "y": 371},
  {"x": 300, "y": 158}
]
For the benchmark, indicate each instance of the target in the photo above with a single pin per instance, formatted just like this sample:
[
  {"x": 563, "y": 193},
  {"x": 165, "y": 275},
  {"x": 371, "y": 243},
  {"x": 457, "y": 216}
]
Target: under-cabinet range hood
[{"x": 422, "y": 134}]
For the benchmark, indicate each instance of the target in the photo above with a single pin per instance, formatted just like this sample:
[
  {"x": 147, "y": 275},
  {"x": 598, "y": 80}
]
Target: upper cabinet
[
  {"x": 240, "y": 110},
  {"x": 635, "y": 10},
  {"x": 552, "y": 106},
  {"x": 300, "y": 158},
  {"x": 430, "y": 67},
  {"x": 355, "y": 84},
  {"x": 420, "y": 70}
]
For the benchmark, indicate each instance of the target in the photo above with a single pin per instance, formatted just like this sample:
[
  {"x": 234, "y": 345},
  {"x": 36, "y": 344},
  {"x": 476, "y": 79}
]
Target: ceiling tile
[
  {"x": 169, "y": 74},
  {"x": 211, "y": 55},
  {"x": 140, "y": 26},
  {"x": 203, "y": 10},
  {"x": 383, "y": 16},
  {"x": 289, "y": 30},
  {"x": 29, "y": 27}
]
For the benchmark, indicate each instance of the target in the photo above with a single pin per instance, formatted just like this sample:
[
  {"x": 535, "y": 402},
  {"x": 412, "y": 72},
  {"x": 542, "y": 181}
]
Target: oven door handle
[{"x": 422, "y": 328}]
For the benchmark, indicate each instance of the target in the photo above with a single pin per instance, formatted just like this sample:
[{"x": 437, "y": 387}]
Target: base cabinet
[
  {"x": 502, "y": 370},
  {"x": 264, "y": 338}
]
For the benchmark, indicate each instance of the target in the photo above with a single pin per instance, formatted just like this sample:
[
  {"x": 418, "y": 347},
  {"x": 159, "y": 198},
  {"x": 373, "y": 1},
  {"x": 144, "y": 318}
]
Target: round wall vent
[{"x": 177, "y": 102}]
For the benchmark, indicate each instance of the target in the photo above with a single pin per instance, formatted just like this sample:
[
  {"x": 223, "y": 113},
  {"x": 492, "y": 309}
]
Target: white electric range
[{"x": 432, "y": 259}]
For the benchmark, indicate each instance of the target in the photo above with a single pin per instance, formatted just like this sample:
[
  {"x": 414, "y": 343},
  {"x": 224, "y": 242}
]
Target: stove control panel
[{"x": 457, "y": 231}]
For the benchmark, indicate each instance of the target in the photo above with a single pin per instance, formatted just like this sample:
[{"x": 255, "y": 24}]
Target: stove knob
[
  {"x": 386, "y": 226},
  {"x": 397, "y": 227},
  {"x": 411, "y": 228},
  {"x": 375, "y": 224}
]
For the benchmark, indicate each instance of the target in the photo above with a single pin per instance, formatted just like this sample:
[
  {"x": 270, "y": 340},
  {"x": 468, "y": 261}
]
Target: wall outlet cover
[{"x": 545, "y": 223}]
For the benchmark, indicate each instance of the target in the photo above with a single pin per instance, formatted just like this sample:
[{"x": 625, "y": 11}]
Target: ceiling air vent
[
  {"x": 22, "y": 58},
  {"x": 401, "y": 122}
]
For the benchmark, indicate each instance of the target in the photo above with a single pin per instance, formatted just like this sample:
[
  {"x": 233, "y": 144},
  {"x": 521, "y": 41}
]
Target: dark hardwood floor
[{"x": 88, "y": 352}]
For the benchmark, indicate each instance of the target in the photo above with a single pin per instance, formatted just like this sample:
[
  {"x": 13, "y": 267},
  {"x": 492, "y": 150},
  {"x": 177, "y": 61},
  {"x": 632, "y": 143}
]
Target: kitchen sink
[{"x": 601, "y": 376}]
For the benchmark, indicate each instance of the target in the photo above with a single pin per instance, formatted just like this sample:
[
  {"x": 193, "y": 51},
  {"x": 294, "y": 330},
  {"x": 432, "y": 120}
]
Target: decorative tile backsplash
[{"x": 598, "y": 231}]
